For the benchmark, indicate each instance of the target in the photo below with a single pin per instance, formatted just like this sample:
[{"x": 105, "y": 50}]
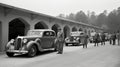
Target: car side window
[
  {"x": 52, "y": 33},
  {"x": 46, "y": 34}
]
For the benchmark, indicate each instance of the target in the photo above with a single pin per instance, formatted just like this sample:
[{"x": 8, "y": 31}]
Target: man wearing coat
[
  {"x": 96, "y": 39},
  {"x": 118, "y": 37},
  {"x": 60, "y": 40},
  {"x": 114, "y": 38},
  {"x": 102, "y": 39},
  {"x": 84, "y": 40}
]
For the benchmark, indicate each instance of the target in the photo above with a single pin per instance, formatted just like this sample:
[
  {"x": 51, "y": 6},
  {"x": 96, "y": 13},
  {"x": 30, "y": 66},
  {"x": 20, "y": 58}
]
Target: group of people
[
  {"x": 102, "y": 38},
  {"x": 114, "y": 37},
  {"x": 97, "y": 38},
  {"x": 60, "y": 41}
]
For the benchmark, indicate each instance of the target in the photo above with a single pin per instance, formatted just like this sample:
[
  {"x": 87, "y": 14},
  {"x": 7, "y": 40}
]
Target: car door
[
  {"x": 52, "y": 38},
  {"x": 45, "y": 40}
]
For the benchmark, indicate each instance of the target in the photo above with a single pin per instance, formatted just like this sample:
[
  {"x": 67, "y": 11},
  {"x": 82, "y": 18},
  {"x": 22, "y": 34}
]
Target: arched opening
[
  {"x": 17, "y": 27},
  {"x": 80, "y": 29},
  {"x": 55, "y": 28},
  {"x": 41, "y": 25},
  {"x": 89, "y": 33},
  {"x": 66, "y": 31},
  {"x": 74, "y": 29},
  {"x": 85, "y": 30}
]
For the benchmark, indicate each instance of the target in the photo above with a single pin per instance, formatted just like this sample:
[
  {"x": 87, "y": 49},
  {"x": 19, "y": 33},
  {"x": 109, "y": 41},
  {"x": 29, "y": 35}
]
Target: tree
[
  {"x": 61, "y": 16},
  {"x": 71, "y": 16},
  {"x": 101, "y": 19},
  {"x": 112, "y": 21},
  {"x": 81, "y": 17},
  {"x": 92, "y": 18}
]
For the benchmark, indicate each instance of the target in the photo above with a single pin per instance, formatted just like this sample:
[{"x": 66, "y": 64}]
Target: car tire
[
  {"x": 32, "y": 51},
  {"x": 10, "y": 54},
  {"x": 55, "y": 48},
  {"x": 73, "y": 44},
  {"x": 66, "y": 44}
]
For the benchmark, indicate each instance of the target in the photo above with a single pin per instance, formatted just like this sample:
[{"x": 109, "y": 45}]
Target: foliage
[{"x": 108, "y": 21}]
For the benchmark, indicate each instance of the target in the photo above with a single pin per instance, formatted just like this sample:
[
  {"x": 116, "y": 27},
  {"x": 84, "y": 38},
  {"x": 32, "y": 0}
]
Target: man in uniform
[
  {"x": 110, "y": 38},
  {"x": 96, "y": 39},
  {"x": 114, "y": 38},
  {"x": 103, "y": 38},
  {"x": 118, "y": 37},
  {"x": 85, "y": 40},
  {"x": 60, "y": 38}
]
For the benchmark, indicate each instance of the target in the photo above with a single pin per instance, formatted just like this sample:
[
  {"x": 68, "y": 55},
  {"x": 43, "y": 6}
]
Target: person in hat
[
  {"x": 102, "y": 38},
  {"x": 114, "y": 38},
  {"x": 118, "y": 37},
  {"x": 96, "y": 39},
  {"x": 85, "y": 40},
  {"x": 60, "y": 40}
]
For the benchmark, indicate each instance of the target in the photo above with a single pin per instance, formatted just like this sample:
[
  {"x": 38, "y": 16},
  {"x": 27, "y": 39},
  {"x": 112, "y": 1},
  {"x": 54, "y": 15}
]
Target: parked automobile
[
  {"x": 35, "y": 41},
  {"x": 74, "y": 38},
  {"x": 91, "y": 39}
]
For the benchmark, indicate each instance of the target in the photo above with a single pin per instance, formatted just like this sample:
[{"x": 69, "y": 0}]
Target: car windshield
[
  {"x": 34, "y": 33},
  {"x": 76, "y": 33}
]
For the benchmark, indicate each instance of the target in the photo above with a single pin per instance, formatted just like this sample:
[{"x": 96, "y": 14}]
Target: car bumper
[
  {"x": 72, "y": 42},
  {"x": 17, "y": 51}
]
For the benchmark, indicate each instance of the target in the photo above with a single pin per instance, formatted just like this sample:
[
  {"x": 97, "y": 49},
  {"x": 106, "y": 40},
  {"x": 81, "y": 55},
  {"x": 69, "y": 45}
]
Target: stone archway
[
  {"x": 80, "y": 29},
  {"x": 74, "y": 29},
  {"x": 17, "y": 27},
  {"x": 89, "y": 32},
  {"x": 40, "y": 25},
  {"x": 55, "y": 28},
  {"x": 85, "y": 30},
  {"x": 66, "y": 31}
]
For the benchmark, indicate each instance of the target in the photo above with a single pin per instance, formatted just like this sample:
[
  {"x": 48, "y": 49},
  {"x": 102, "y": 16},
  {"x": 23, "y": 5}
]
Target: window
[
  {"x": 46, "y": 33},
  {"x": 52, "y": 33}
]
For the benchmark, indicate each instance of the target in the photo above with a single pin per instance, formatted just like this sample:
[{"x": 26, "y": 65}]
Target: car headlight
[
  {"x": 12, "y": 41},
  {"x": 25, "y": 40},
  {"x": 9, "y": 45}
]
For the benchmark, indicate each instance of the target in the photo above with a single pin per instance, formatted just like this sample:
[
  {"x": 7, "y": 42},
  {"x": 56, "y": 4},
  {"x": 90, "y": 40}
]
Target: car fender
[
  {"x": 38, "y": 41},
  {"x": 33, "y": 43}
]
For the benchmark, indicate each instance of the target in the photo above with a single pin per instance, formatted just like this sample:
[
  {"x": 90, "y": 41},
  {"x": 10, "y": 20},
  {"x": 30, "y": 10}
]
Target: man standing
[
  {"x": 60, "y": 38},
  {"x": 96, "y": 39},
  {"x": 85, "y": 40},
  {"x": 103, "y": 39},
  {"x": 110, "y": 38},
  {"x": 114, "y": 38},
  {"x": 118, "y": 37}
]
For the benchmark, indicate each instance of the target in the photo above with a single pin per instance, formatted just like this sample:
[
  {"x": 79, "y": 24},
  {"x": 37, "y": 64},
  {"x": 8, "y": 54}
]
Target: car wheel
[
  {"x": 32, "y": 51},
  {"x": 10, "y": 54},
  {"x": 73, "y": 44},
  {"x": 55, "y": 48},
  {"x": 78, "y": 44},
  {"x": 66, "y": 44}
]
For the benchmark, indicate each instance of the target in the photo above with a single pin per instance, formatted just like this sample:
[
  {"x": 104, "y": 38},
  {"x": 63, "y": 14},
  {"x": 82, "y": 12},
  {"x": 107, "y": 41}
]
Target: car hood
[{"x": 28, "y": 36}]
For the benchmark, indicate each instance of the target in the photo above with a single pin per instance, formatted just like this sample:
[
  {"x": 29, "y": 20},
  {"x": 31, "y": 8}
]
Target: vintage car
[
  {"x": 74, "y": 38},
  {"x": 35, "y": 41},
  {"x": 91, "y": 39}
]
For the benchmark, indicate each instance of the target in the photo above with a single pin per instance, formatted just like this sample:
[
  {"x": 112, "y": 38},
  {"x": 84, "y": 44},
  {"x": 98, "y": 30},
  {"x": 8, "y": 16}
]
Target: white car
[{"x": 74, "y": 38}]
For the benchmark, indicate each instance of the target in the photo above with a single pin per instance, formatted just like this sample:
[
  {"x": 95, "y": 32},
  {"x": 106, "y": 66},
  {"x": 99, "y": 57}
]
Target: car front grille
[{"x": 18, "y": 43}]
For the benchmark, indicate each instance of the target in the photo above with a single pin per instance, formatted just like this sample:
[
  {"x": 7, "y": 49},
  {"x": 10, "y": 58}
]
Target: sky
[{"x": 56, "y": 7}]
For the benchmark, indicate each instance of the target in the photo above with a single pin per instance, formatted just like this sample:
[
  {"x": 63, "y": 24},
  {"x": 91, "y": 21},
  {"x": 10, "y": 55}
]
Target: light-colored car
[
  {"x": 74, "y": 38},
  {"x": 35, "y": 41}
]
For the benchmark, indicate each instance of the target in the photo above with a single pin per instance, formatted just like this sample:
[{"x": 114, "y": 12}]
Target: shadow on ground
[{"x": 38, "y": 54}]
